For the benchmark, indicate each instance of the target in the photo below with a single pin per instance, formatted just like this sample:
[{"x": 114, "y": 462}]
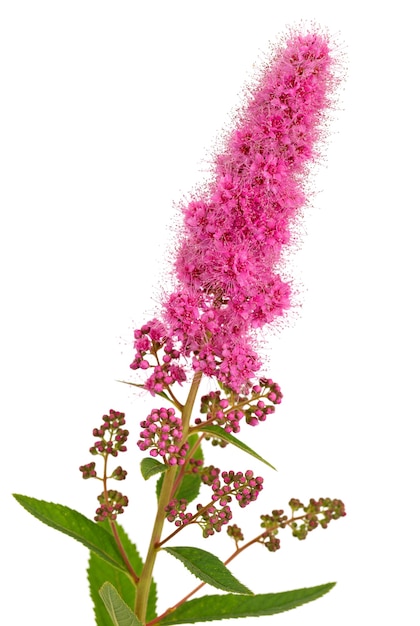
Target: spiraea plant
[{"x": 227, "y": 283}]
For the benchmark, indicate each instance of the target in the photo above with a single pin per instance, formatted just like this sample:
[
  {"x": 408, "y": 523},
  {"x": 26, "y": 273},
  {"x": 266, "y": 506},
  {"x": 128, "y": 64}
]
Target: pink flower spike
[
  {"x": 229, "y": 265},
  {"x": 235, "y": 231}
]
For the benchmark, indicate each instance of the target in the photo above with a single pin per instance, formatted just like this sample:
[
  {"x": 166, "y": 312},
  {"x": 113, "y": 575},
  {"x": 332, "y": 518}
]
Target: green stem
[
  {"x": 123, "y": 552},
  {"x": 114, "y": 528},
  {"x": 143, "y": 585},
  {"x": 189, "y": 456},
  {"x": 189, "y": 405}
]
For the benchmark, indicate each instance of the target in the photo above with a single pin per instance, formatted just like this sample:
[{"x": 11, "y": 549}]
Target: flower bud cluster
[
  {"x": 112, "y": 503},
  {"x": 258, "y": 409},
  {"x": 162, "y": 434},
  {"x": 210, "y": 474},
  {"x": 272, "y": 523},
  {"x": 217, "y": 412},
  {"x": 212, "y": 519},
  {"x": 119, "y": 473},
  {"x": 235, "y": 532},
  {"x": 228, "y": 413},
  {"x": 149, "y": 340},
  {"x": 88, "y": 470},
  {"x": 225, "y": 486},
  {"x": 271, "y": 542},
  {"x": 175, "y": 512},
  {"x": 244, "y": 487},
  {"x": 316, "y": 513},
  {"x": 112, "y": 440},
  {"x": 112, "y": 437}
]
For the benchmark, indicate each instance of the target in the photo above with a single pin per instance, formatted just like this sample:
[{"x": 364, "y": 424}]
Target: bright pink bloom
[
  {"x": 234, "y": 233},
  {"x": 162, "y": 434}
]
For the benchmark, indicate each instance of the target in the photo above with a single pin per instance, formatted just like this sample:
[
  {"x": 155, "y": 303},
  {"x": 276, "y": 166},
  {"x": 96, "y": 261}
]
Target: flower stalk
[{"x": 144, "y": 582}]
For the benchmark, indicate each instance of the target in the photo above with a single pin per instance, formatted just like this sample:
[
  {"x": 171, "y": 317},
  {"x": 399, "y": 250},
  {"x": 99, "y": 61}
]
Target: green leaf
[
  {"x": 220, "y": 433},
  {"x": 227, "y": 606},
  {"x": 208, "y": 568},
  {"x": 149, "y": 467},
  {"x": 120, "y": 613},
  {"x": 72, "y": 523},
  {"x": 100, "y": 572}
]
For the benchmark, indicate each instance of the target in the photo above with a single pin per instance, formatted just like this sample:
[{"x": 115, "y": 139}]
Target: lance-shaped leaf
[
  {"x": 208, "y": 568},
  {"x": 76, "y": 525},
  {"x": 220, "y": 433},
  {"x": 227, "y": 606},
  {"x": 100, "y": 572},
  {"x": 149, "y": 467},
  {"x": 119, "y": 612}
]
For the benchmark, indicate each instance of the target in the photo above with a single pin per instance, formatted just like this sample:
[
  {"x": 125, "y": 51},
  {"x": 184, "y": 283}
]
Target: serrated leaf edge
[{"x": 176, "y": 552}]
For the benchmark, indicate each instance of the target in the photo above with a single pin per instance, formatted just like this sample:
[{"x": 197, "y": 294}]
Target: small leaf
[
  {"x": 76, "y": 525},
  {"x": 220, "y": 433},
  {"x": 149, "y": 467},
  {"x": 218, "y": 607},
  {"x": 208, "y": 568},
  {"x": 100, "y": 572},
  {"x": 120, "y": 613}
]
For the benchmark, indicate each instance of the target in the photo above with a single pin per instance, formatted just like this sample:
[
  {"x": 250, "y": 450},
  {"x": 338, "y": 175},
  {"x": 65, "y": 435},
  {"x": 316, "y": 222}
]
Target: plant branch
[
  {"x": 143, "y": 584},
  {"x": 182, "y": 472},
  {"x": 114, "y": 528}
]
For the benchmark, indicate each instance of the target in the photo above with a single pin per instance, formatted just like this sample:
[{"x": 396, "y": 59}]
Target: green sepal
[
  {"x": 120, "y": 613},
  {"x": 220, "y": 433},
  {"x": 218, "y": 607},
  {"x": 208, "y": 568},
  {"x": 72, "y": 523},
  {"x": 149, "y": 467},
  {"x": 100, "y": 572}
]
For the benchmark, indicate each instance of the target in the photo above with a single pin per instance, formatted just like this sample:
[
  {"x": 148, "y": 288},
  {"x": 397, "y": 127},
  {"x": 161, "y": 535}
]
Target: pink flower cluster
[
  {"x": 162, "y": 434},
  {"x": 245, "y": 487},
  {"x": 254, "y": 409},
  {"x": 235, "y": 232},
  {"x": 225, "y": 486},
  {"x": 149, "y": 340}
]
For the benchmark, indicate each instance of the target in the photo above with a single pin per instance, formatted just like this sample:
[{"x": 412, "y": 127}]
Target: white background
[{"x": 108, "y": 111}]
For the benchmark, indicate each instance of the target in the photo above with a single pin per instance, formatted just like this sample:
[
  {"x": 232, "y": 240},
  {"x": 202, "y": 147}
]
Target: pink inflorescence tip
[{"x": 235, "y": 232}]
